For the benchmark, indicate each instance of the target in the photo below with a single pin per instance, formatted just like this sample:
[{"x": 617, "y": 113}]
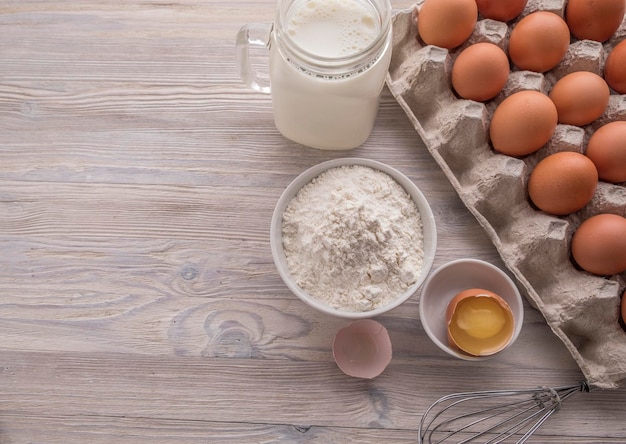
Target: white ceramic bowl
[
  {"x": 276, "y": 243},
  {"x": 450, "y": 279}
]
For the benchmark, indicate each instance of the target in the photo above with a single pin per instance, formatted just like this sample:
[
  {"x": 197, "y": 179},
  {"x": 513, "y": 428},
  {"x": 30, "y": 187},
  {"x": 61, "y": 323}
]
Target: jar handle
[{"x": 252, "y": 35}]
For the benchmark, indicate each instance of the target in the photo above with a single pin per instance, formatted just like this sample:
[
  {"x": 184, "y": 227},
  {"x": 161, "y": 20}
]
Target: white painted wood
[{"x": 138, "y": 297}]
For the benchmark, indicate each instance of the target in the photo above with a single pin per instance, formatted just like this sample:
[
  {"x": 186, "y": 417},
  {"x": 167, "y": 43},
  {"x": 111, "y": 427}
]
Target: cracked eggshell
[
  {"x": 362, "y": 349},
  {"x": 480, "y": 322},
  {"x": 582, "y": 309}
]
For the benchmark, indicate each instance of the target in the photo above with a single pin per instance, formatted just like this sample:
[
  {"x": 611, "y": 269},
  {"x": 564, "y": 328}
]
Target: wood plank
[
  {"x": 200, "y": 389},
  {"x": 99, "y": 430},
  {"x": 115, "y": 308}
]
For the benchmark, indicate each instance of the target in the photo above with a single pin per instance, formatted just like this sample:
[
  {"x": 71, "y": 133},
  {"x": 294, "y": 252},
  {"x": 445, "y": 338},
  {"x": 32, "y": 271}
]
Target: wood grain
[{"x": 138, "y": 297}]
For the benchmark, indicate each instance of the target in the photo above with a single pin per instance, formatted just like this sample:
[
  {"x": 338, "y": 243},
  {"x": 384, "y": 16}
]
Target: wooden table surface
[{"x": 139, "y": 302}]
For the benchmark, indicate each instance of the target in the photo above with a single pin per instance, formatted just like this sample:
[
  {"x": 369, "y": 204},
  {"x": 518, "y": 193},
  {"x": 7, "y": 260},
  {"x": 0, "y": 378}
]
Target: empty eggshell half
[{"x": 362, "y": 349}]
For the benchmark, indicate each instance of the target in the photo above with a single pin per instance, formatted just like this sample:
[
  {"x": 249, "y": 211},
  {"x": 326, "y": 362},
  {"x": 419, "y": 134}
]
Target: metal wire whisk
[{"x": 493, "y": 416}]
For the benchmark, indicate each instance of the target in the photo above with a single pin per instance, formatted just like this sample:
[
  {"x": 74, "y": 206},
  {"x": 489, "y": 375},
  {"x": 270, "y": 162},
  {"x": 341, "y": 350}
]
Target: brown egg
[
  {"x": 523, "y": 123},
  {"x": 614, "y": 68},
  {"x": 501, "y": 10},
  {"x": 607, "y": 150},
  {"x": 539, "y": 41},
  {"x": 480, "y": 322},
  {"x": 594, "y": 19},
  {"x": 562, "y": 183},
  {"x": 446, "y": 23},
  {"x": 599, "y": 244},
  {"x": 480, "y": 71},
  {"x": 580, "y": 97}
]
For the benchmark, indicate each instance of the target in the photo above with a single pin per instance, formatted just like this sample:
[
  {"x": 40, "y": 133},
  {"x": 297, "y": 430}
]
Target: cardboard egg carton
[{"x": 581, "y": 309}]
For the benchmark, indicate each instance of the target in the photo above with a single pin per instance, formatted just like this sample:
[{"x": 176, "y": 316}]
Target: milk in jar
[{"x": 325, "y": 94}]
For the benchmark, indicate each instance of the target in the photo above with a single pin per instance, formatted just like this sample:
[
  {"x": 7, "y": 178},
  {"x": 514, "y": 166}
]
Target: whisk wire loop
[{"x": 472, "y": 416}]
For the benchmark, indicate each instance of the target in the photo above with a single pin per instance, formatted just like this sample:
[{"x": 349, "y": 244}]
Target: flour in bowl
[{"x": 353, "y": 238}]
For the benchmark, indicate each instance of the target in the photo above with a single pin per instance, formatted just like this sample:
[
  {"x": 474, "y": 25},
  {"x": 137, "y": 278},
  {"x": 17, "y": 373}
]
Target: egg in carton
[{"x": 581, "y": 309}]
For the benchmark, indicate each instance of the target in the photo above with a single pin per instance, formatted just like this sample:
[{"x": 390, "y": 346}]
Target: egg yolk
[
  {"x": 480, "y": 325},
  {"x": 480, "y": 317}
]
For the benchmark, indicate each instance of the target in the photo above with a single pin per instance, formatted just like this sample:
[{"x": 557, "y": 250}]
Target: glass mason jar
[{"x": 327, "y": 65}]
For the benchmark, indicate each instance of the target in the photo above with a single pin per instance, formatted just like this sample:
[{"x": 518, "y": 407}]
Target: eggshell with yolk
[{"x": 480, "y": 322}]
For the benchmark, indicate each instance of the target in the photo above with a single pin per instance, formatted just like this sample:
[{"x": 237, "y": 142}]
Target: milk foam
[{"x": 333, "y": 28}]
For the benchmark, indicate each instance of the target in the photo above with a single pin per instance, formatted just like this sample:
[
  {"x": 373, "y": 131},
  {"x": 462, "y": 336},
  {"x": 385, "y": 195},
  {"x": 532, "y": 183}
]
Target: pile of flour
[{"x": 353, "y": 238}]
